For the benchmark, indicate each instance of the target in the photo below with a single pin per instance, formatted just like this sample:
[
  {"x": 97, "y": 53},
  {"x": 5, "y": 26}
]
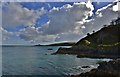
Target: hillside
[
  {"x": 107, "y": 36},
  {"x": 103, "y": 43}
]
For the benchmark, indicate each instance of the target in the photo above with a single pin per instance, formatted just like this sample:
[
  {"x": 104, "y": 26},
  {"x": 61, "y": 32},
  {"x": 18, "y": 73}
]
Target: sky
[{"x": 28, "y": 23}]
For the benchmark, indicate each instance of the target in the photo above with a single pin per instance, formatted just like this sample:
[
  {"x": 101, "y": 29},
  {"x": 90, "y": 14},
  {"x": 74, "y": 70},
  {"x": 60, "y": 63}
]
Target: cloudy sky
[{"x": 49, "y": 22}]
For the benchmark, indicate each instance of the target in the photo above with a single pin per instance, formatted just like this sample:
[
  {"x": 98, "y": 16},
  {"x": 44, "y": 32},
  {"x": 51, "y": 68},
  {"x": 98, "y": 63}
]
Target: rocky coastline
[
  {"x": 85, "y": 51},
  {"x": 105, "y": 69},
  {"x": 104, "y": 43}
]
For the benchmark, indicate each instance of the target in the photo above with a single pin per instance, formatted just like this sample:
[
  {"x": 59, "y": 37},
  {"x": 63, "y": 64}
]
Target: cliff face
[
  {"x": 103, "y": 43},
  {"x": 106, "y": 36}
]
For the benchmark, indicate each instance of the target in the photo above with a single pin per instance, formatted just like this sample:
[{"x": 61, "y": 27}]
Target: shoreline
[
  {"x": 105, "y": 69},
  {"x": 91, "y": 52}
]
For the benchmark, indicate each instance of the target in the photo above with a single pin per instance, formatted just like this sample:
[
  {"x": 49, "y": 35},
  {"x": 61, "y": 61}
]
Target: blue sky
[
  {"x": 49, "y": 22},
  {"x": 49, "y": 5}
]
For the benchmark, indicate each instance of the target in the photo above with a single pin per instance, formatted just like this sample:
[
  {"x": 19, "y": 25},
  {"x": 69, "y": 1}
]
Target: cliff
[{"x": 103, "y": 43}]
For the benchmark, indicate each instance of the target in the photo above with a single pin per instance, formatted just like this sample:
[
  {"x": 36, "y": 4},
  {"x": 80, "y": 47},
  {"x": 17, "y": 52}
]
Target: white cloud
[
  {"x": 13, "y": 15},
  {"x": 9, "y": 38},
  {"x": 116, "y": 7},
  {"x": 69, "y": 37},
  {"x": 103, "y": 17},
  {"x": 37, "y": 1},
  {"x": 67, "y": 23},
  {"x": 64, "y": 19},
  {"x": 0, "y": 23},
  {"x": 32, "y": 34},
  {"x": 5, "y": 34},
  {"x": 103, "y": 0},
  {"x": 29, "y": 33}
]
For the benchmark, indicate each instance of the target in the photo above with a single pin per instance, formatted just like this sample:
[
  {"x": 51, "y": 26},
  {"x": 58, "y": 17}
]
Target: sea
[{"x": 37, "y": 60}]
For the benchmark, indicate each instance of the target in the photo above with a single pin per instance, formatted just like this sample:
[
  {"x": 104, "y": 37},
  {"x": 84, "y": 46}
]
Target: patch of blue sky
[
  {"x": 16, "y": 29},
  {"x": 99, "y": 5},
  {"x": 58, "y": 4},
  {"x": 47, "y": 5},
  {"x": 42, "y": 20},
  {"x": 103, "y": 0},
  {"x": 32, "y": 5}
]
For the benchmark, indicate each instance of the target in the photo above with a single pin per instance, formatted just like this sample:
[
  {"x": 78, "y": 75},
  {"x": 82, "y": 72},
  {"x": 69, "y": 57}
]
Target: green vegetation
[
  {"x": 102, "y": 44},
  {"x": 107, "y": 37},
  {"x": 85, "y": 42}
]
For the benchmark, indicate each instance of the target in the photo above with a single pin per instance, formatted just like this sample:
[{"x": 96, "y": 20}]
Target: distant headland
[{"x": 59, "y": 44}]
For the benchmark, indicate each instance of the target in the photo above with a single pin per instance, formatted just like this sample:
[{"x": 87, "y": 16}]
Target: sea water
[{"x": 37, "y": 60}]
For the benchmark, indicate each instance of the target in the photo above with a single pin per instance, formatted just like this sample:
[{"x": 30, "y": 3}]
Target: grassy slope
[
  {"x": 106, "y": 38},
  {"x": 103, "y": 43},
  {"x": 107, "y": 35}
]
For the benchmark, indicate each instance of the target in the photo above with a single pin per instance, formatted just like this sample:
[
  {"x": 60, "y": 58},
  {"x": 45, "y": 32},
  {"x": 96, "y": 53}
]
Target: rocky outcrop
[
  {"x": 105, "y": 69},
  {"x": 104, "y": 43}
]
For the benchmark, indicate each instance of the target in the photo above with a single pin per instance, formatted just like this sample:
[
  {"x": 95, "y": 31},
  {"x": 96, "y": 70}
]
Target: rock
[
  {"x": 46, "y": 54},
  {"x": 85, "y": 66},
  {"x": 50, "y": 49},
  {"x": 105, "y": 69},
  {"x": 97, "y": 45}
]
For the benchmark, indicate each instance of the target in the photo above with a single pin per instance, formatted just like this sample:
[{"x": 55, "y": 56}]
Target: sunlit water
[{"x": 39, "y": 61}]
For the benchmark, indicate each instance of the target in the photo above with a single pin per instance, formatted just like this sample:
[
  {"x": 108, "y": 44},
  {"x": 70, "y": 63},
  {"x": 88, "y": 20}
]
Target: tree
[
  {"x": 88, "y": 34},
  {"x": 93, "y": 31},
  {"x": 105, "y": 25}
]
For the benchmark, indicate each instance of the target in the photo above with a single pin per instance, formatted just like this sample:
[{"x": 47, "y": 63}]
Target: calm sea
[{"x": 39, "y": 61}]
